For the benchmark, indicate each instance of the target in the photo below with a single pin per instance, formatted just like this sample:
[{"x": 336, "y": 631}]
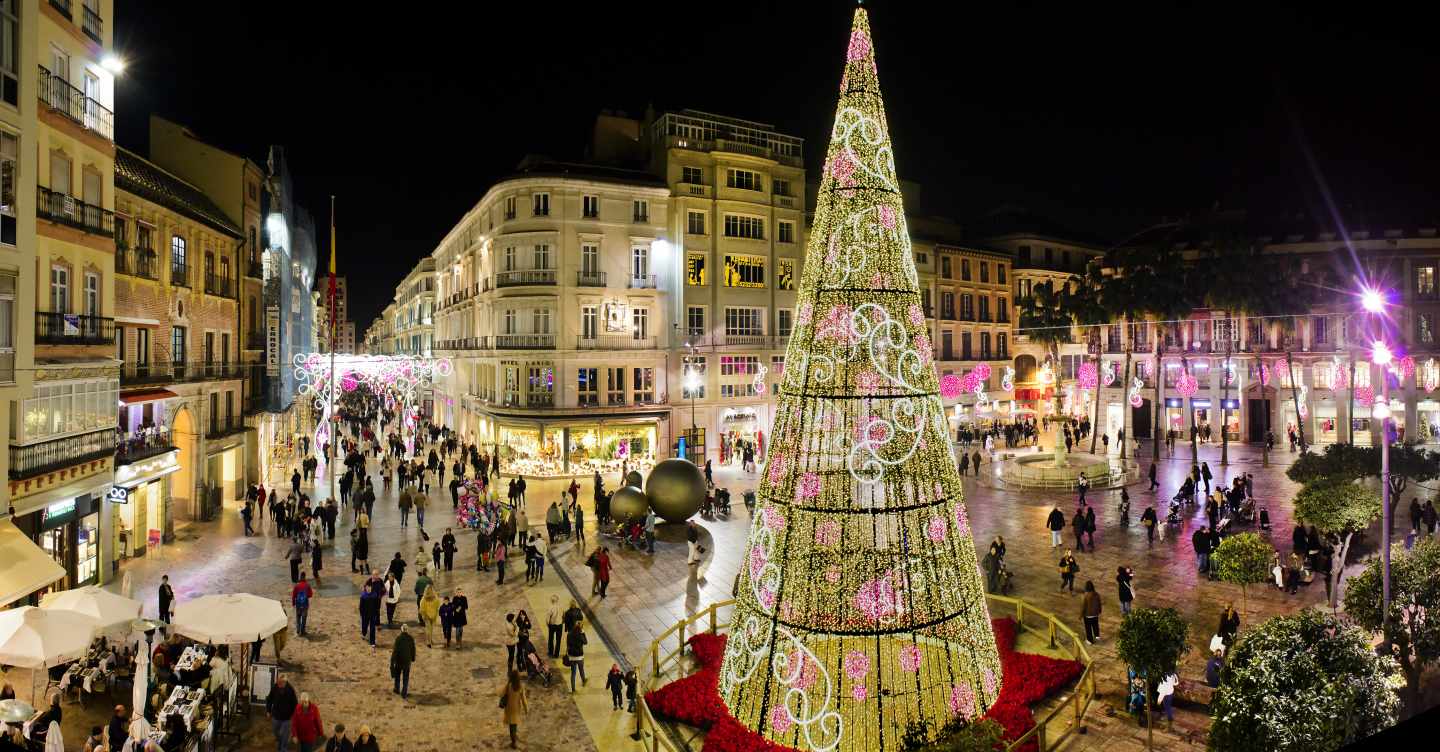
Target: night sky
[{"x": 1105, "y": 122}]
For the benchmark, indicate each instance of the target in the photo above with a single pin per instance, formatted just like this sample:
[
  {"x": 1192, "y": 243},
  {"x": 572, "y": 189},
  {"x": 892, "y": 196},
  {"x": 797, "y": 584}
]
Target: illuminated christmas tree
[{"x": 860, "y": 604}]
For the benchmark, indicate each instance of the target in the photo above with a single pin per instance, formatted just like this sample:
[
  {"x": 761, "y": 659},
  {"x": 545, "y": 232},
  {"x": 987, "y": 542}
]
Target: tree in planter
[
  {"x": 1152, "y": 641},
  {"x": 1301, "y": 683},
  {"x": 1414, "y": 609},
  {"x": 1338, "y": 509},
  {"x": 1408, "y": 462},
  {"x": 959, "y": 735},
  {"x": 1244, "y": 560}
]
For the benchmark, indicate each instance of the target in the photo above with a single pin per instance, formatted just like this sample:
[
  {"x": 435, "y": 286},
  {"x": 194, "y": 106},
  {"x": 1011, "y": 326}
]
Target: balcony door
[
  {"x": 91, "y": 191},
  {"x": 142, "y": 351},
  {"x": 59, "y": 289},
  {"x": 59, "y": 177},
  {"x": 92, "y": 101}
]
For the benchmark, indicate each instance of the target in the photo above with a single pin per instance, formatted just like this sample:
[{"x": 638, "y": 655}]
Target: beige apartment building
[{"x": 58, "y": 375}]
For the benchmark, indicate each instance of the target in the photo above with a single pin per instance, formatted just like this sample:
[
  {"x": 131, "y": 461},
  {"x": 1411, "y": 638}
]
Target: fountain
[{"x": 1061, "y": 468}]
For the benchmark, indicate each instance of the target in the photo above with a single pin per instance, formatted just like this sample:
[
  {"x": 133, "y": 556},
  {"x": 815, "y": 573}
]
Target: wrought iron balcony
[
  {"x": 67, "y": 210},
  {"x": 137, "y": 262},
  {"x": 179, "y": 274},
  {"x": 73, "y": 329},
  {"x": 219, "y": 286},
  {"x": 525, "y": 277},
  {"x": 91, "y": 24},
  {"x": 614, "y": 342},
  {"x": 64, "y": 7},
  {"x": 61, "y": 97},
  {"x": 47, "y": 456},
  {"x": 525, "y": 342},
  {"x": 135, "y": 374},
  {"x": 143, "y": 446},
  {"x": 589, "y": 279},
  {"x": 254, "y": 269}
]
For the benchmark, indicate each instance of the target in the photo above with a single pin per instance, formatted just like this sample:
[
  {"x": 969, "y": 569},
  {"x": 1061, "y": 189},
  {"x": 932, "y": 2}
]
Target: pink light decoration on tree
[
  {"x": 1087, "y": 376},
  {"x": 876, "y": 599},
  {"x": 1364, "y": 395},
  {"x": 1406, "y": 366},
  {"x": 982, "y": 371},
  {"x": 951, "y": 386}
]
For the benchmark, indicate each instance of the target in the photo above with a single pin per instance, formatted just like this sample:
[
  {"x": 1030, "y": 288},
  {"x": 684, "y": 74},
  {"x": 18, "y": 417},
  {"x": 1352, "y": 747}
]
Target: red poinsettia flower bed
[{"x": 695, "y": 699}]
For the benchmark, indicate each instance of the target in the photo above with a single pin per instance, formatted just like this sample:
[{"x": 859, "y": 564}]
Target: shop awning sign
[{"x": 118, "y": 495}]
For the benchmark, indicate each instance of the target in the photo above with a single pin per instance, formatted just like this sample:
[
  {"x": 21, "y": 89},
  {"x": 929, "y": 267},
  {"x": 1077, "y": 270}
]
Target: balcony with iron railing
[
  {"x": 92, "y": 25},
  {"x": 254, "y": 269},
  {"x": 143, "y": 445},
  {"x": 67, "y": 210},
  {"x": 218, "y": 286},
  {"x": 525, "y": 342},
  {"x": 179, "y": 274},
  {"x": 525, "y": 277},
  {"x": 64, "y": 7},
  {"x": 643, "y": 282},
  {"x": 73, "y": 329},
  {"x": 589, "y": 279},
  {"x": 223, "y": 427},
  {"x": 138, "y": 374},
  {"x": 31, "y": 460},
  {"x": 463, "y": 343},
  {"x": 614, "y": 342},
  {"x": 61, "y": 97},
  {"x": 136, "y": 262}
]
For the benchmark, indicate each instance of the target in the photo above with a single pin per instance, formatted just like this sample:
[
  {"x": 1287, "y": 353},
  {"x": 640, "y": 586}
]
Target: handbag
[{"x": 504, "y": 698}]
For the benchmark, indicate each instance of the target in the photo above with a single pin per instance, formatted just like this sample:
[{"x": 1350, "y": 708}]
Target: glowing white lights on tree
[
  {"x": 860, "y": 607},
  {"x": 1430, "y": 375},
  {"x": 1007, "y": 382},
  {"x": 1136, "y": 383},
  {"x": 1108, "y": 376}
]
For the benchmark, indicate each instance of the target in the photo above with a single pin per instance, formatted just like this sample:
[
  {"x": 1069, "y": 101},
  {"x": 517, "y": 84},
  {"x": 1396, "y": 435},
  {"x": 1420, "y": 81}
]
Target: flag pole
[{"x": 334, "y": 378}]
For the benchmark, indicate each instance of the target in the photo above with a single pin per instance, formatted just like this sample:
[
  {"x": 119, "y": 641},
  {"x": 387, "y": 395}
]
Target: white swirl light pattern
[
  {"x": 860, "y": 554},
  {"x": 394, "y": 377}
]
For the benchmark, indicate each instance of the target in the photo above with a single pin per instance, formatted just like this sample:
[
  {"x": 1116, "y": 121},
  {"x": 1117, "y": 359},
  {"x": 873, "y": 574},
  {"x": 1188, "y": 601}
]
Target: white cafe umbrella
[
  {"x": 16, "y": 711},
  {"x": 106, "y": 608},
  {"x": 140, "y": 693},
  {"x": 39, "y": 638},
  {"x": 229, "y": 618}
]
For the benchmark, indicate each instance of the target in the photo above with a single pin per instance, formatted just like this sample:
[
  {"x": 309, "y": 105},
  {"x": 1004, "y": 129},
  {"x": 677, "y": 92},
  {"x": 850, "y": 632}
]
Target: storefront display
[
  {"x": 1327, "y": 425},
  {"x": 69, "y": 532},
  {"x": 587, "y": 448},
  {"x": 1428, "y": 413}
]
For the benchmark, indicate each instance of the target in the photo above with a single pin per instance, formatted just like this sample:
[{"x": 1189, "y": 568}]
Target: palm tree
[
  {"x": 1087, "y": 307},
  {"x": 1163, "y": 293},
  {"x": 1231, "y": 259},
  {"x": 1286, "y": 287},
  {"x": 1044, "y": 317}
]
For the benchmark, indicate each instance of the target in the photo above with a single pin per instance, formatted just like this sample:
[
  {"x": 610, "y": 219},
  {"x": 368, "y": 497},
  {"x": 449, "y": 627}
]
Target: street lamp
[{"x": 1373, "y": 301}]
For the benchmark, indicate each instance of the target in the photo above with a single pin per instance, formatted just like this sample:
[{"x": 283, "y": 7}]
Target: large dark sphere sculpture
[
  {"x": 634, "y": 478},
  {"x": 629, "y": 503},
  {"x": 676, "y": 488}
]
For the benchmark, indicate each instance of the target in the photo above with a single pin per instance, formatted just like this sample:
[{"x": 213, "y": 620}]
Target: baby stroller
[
  {"x": 1173, "y": 518},
  {"x": 530, "y": 660},
  {"x": 722, "y": 501}
]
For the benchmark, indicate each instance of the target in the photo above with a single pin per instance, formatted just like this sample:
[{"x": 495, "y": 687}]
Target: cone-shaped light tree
[{"x": 860, "y": 604}]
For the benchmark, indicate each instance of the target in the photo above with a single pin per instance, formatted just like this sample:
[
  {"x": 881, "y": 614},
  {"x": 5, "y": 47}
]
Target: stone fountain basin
[{"x": 1041, "y": 469}]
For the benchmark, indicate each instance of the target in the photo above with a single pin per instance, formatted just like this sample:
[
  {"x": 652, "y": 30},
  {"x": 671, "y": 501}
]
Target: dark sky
[{"x": 1104, "y": 119}]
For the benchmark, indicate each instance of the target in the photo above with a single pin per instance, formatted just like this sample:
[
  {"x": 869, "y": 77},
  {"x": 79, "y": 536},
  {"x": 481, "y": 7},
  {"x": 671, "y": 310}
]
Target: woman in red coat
[
  {"x": 602, "y": 569},
  {"x": 305, "y": 724}
]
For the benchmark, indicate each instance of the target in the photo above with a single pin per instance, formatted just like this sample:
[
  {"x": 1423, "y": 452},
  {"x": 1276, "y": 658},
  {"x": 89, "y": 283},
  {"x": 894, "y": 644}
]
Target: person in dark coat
[
  {"x": 1068, "y": 568},
  {"x": 1149, "y": 520},
  {"x": 1229, "y": 625},
  {"x": 401, "y": 656},
  {"x": 1124, "y": 582},
  {"x": 167, "y": 598},
  {"x": 1415, "y": 513},
  {"x": 459, "y": 606},
  {"x": 1055, "y": 523},
  {"x": 447, "y": 546},
  {"x": 1201, "y": 541},
  {"x": 1090, "y": 527},
  {"x": 1153, "y": 483},
  {"x": 1078, "y": 523}
]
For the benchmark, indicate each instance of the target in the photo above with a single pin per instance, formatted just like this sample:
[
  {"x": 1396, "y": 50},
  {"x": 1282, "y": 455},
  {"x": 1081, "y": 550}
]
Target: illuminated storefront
[{"x": 581, "y": 447}]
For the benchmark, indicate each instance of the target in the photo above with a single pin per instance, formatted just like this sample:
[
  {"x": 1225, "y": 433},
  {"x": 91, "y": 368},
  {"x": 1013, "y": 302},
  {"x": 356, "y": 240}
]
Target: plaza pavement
[{"x": 452, "y": 702}]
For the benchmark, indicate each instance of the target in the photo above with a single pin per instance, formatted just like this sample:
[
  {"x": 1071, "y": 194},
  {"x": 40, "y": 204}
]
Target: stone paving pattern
[{"x": 452, "y": 702}]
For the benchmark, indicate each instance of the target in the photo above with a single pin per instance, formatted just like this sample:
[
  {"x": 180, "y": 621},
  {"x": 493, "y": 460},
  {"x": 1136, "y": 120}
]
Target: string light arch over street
[{"x": 394, "y": 378}]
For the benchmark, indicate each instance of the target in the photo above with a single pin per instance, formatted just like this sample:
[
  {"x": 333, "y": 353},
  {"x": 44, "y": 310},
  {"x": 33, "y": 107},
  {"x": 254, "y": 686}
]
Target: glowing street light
[
  {"x": 1372, "y": 300},
  {"x": 113, "y": 63},
  {"x": 1380, "y": 354}
]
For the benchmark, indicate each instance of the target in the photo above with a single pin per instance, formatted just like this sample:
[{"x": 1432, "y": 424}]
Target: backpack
[{"x": 302, "y": 599}]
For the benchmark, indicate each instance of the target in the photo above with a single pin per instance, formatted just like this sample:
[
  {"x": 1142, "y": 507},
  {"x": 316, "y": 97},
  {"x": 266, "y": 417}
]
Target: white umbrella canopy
[
  {"x": 229, "y": 618},
  {"x": 39, "y": 638},
  {"x": 106, "y": 608}
]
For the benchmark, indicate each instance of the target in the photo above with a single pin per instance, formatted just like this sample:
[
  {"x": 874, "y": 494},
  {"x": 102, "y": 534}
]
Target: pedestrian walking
[
  {"x": 1201, "y": 542},
  {"x": 280, "y": 705},
  {"x": 315, "y": 563},
  {"x": 632, "y": 683},
  {"x": 459, "y": 615},
  {"x": 514, "y": 703},
  {"x": 392, "y": 598},
  {"x": 401, "y": 656},
  {"x": 499, "y": 556},
  {"x": 512, "y": 641},
  {"x": 1090, "y": 527},
  {"x": 422, "y": 583},
  {"x": 300, "y": 596},
  {"x": 1068, "y": 568},
  {"x": 554, "y": 623},
  {"x": 405, "y": 504},
  {"x": 447, "y": 546},
  {"x": 1055, "y": 523},
  {"x": 575, "y": 654},
  {"x": 339, "y": 741},
  {"x": 397, "y": 567},
  {"x": 306, "y": 725},
  {"x": 615, "y": 682},
  {"x": 1090, "y": 610},
  {"x": 167, "y": 598},
  {"x": 1153, "y": 483},
  {"x": 1149, "y": 520},
  {"x": 1125, "y": 582},
  {"x": 429, "y": 608},
  {"x": 296, "y": 554},
  {"x": 1079, "y": 525}
]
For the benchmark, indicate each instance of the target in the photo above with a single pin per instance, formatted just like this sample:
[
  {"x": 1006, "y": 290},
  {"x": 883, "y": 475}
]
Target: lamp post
[{"x": 1373, "y": 300}]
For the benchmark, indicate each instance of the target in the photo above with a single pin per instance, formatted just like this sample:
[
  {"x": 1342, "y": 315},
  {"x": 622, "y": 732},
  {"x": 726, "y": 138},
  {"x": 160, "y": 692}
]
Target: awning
[
  {"x": 24, "y": 566},
  {"x": 146, "y": 395}
]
